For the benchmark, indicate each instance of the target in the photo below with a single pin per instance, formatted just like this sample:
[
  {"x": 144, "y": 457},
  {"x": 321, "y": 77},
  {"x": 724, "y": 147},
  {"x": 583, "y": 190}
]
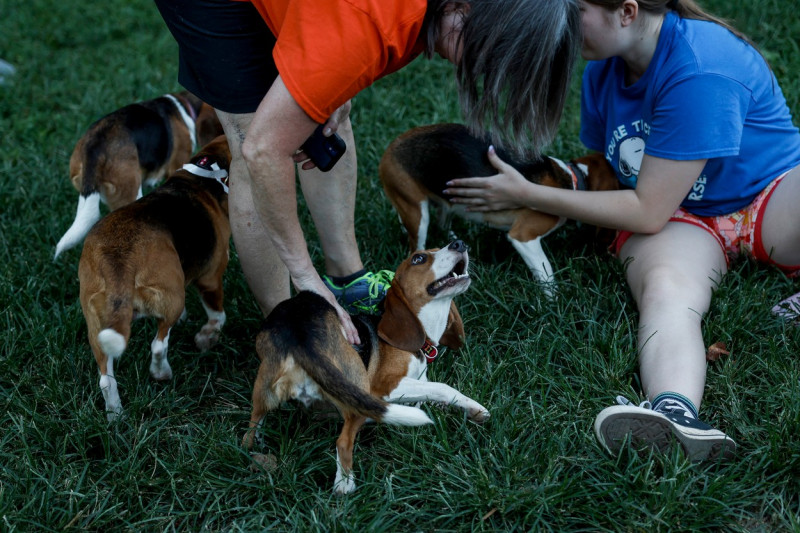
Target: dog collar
[
  {"x": 578, "y": 176},
  {"x": 206, "y": 169},
  {"x": 186, "y": 120},
  {"x": 428, "y": 351}
]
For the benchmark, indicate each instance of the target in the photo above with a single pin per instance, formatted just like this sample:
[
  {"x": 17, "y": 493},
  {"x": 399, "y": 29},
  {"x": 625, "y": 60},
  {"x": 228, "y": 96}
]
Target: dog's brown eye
[{"x": 418, "y": 259}]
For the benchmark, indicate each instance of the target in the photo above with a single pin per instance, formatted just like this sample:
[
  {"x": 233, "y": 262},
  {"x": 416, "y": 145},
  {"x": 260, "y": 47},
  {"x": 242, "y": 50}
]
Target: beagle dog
[
  {"x": 138, "y": 260},
  {"x": 417, "y": 165},
  {"x": 139, "y": 143},
  {"x": 306, "y": 357}
]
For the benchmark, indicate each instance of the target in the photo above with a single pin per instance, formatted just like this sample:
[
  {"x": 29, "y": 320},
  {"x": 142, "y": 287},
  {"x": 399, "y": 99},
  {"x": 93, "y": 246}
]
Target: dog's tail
[
  {"x": 307, "y": 329},
  {"x": 111, "y": 342},
  {"x": 87, "y": 215},
  {"x": 347, "y": 396},
  {"x": 405, "y": 415}
]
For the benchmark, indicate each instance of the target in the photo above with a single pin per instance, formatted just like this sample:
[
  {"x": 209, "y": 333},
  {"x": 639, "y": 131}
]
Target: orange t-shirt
[{"x": 329, "y": 50}]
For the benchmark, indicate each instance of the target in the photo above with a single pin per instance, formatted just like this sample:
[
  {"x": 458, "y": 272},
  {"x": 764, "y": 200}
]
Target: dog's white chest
[{"x": 417, "y": 369}]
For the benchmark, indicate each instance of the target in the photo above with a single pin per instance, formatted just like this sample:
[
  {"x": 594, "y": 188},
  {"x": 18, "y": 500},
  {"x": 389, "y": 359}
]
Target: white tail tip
[
  {"x": 404, "y": 415},
  {"x": 87, "y": 215},
  {"x": 112, "y": 343}
]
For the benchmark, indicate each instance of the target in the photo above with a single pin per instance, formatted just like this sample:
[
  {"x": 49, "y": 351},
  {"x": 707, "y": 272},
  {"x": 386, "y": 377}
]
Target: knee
[
  {"x": 251, "y": 151},
  {"x": 664, "y": 287}
]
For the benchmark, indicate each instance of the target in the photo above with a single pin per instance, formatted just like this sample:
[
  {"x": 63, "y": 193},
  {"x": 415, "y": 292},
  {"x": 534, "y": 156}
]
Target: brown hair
[{"x": 687, "y": 9}]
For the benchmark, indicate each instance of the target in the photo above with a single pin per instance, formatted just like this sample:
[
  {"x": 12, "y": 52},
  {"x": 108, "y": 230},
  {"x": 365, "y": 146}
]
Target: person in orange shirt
[{"x": 276, "y": 69}]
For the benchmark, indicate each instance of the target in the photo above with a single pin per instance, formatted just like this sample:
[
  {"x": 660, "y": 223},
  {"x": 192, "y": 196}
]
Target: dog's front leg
[
  {"x": 534, "y": 256},
  {"x": 412, "y": 390},
  {"x": 345, "y": 478}
]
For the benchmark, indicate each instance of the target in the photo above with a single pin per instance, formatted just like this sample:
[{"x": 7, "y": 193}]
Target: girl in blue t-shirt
[{"x": 691, "y": 118}]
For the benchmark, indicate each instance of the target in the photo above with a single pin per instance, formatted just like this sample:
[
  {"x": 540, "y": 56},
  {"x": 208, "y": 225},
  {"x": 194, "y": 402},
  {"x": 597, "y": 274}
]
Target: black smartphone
[{"x": 324, "y": 151}]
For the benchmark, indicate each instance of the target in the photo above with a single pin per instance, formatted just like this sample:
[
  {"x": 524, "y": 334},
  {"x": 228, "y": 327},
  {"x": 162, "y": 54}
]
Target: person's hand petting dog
[{"x": 505, "y": 190}]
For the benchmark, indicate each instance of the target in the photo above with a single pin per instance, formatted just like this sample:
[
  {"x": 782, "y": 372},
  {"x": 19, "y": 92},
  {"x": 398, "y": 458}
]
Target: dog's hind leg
[
  {"x": 269, "y": 389},
  {"x": 526, "y": 236},
  {"x": 109, "y": 328},
  {"x": 159, "y": 364},
  {"x": 208, "y": 335},
  {"x": 536, "y": 260},
  {"x": 345, "y": 478},
  {"x": 411, "y": 390},
  {"x": 408, "y": 197},
  {"x": 107, "y": 346}
]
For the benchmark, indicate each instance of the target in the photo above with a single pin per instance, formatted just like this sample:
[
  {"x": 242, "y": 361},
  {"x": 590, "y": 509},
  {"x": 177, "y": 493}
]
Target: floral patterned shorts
[{"x": 737, "y": 233}]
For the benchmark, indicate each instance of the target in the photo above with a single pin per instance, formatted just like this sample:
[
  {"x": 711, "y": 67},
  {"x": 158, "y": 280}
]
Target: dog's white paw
[
  {"x": 479, "y": 414},
  {"x": 263, "y": 462},
  {"x": 116, "y": 415},
  {"x": 207, "y": 337},
  {"x": 344, "y": 484},
  {"x": 161, "y": 371}
]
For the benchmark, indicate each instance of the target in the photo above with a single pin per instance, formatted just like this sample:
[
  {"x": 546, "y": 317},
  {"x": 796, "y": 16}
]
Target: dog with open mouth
[{"x": 306, "y": 357}]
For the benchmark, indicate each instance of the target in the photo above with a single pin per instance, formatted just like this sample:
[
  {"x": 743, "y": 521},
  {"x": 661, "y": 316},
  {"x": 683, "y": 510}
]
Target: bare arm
[
  {"x": 278, "y": 129},
  {"x": 662, "y": 185}
]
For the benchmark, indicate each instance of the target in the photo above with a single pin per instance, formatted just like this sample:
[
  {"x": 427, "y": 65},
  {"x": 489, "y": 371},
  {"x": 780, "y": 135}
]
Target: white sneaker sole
[{"x": 644, "y": 427}]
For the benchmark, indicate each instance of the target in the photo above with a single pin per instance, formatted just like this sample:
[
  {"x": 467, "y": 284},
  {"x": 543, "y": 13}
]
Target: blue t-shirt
[{"x": 705, "y": 95}]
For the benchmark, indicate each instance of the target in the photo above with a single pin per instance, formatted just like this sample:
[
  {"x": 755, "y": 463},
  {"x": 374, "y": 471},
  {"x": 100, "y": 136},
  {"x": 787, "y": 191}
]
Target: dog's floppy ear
[
  {"x": 207, "y": 124},
  {"x": 453, "y": 336},
  {"x": 399, "y": 326}
]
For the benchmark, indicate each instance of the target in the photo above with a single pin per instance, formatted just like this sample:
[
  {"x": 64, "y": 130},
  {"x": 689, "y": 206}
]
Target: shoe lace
[
  {"x": 622, "y": 400},
  {"x": 377, "y": 280}
]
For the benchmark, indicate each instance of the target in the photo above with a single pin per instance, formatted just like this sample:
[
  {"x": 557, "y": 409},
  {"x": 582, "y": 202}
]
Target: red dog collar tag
[{"x": 429, "y": 351}]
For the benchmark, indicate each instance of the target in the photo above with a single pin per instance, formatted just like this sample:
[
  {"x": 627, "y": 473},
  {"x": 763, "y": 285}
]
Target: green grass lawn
[{"x": 544, "y": 369}]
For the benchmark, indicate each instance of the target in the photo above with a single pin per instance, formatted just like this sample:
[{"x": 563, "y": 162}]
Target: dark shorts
[{"x": 225, "y": 51}]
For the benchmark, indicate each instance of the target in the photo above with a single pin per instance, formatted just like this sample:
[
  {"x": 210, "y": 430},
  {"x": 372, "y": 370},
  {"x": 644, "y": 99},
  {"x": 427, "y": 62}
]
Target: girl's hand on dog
[{"x": 504, "y": 190}]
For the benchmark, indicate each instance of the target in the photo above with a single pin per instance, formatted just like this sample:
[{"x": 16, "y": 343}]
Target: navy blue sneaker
[
  {"x": 645, "y": 427},
  {"x": 363, "y": 294}
]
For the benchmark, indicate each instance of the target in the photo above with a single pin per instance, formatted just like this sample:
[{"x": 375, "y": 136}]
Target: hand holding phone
[{"x": 323, "y": 151}]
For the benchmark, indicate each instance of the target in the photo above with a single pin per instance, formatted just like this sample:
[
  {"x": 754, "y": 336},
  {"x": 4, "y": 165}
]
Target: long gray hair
[{"x": 516, "y": 65}]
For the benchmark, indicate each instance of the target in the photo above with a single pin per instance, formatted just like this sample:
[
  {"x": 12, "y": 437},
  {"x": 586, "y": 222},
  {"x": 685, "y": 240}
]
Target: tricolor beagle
[
  {"x": 138, "y": 260},
  {"x": 139, "y": 143},
  {"x": 306, "y": 357},
  {"x": 417, "y": 165}
]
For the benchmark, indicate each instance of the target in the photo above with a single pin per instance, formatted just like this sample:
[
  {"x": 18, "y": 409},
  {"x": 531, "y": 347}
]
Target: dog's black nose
[{"x": 458, "y": 246}]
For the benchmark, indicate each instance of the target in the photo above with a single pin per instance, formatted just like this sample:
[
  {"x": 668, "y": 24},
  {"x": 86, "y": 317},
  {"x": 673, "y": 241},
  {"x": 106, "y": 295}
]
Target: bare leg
[
  {"x": 331, "y": 198},
  {"x": 263, "y": 269},
  {"x": 672, "y": 275},
  {"x": 780, "y": 228}
]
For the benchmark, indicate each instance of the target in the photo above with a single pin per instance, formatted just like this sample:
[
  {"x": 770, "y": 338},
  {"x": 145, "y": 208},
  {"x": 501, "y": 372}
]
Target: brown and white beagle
[
  {"x": 306, "y": 357},
  {"x": 139, "y": 143},
  {"x": 417, "y": 165},
  {"x": 138, "y": 260}
]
